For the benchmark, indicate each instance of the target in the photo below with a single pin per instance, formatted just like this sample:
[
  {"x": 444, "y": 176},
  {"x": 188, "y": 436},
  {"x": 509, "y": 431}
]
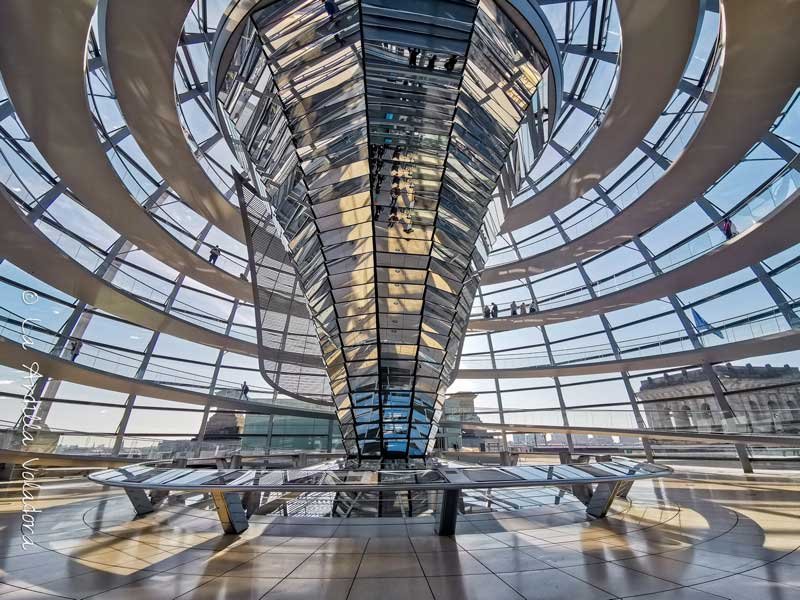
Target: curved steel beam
[
  {"x": 775, "y": 233},
  {"x": 45, "y": 75},
  {"x": 230, "y": 25},
  {"x": 13, "y": 355},
  {"x": 761, "y": 71},
  {"x": 141, "y": 39},
  {"x": 657, "y": 38},
  {"x": 31, "y": 250},
  {"x": 784, "y": 341},
  {"x": 546, "y": 42}
]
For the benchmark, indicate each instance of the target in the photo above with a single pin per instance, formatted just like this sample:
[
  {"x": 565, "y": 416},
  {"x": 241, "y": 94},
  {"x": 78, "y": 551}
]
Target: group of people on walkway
[
  {"x": 395, "y": 218},
  {"x": 490, "y": 311},
  {"x": 378, "y": 150},
  {"x": 404, "y": 216},
  {"x": 430, "y": 63}
]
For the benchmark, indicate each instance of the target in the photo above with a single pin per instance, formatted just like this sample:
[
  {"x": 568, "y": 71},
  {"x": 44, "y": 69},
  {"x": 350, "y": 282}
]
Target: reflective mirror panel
[{"x": 378, "y": 132}]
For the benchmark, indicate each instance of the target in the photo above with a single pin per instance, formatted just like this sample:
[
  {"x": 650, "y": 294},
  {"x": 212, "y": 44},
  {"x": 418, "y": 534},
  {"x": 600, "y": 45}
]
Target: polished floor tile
[
  {"x": 344, "y": 546},
  {"x": 434, "y": 543},
  {"x": 672, "y": 570},
  {"x": 327, "y": 566},
  {"x": 213, "y": 565},
  {"x": 558, "y": 556},
  {"x": 27, "y": 595},
  {"x": 306, "y": 589},
  {"x": 478, "y": 541},
  {"x": 390, "y": 565},
  {"x": 618, "y": 580},
  {"x": 299, "y": 545},
  {"x": 472, "y": 587},
  {"x": 683, "y": 593},
  {"x": 741, "y": 587},
  {"x": 785, "y": 573},
  {"x": 704, "y": 534},
  {"x": 508, "y": 560},
  {"x": 237, "y": 588},
  {"x": 553, "y": 585},
  {"x": 515, "y": 539},
  {"x": 166, "y": 585},
  {"x": 89, "y": 584},
  {"x": 268, "y": 565},
  {"x": 436, "y": 564},
  {"x": 389, "y": 545},
  {"x": 405, "y": 588},
  {"x": 714, "y": 560}
]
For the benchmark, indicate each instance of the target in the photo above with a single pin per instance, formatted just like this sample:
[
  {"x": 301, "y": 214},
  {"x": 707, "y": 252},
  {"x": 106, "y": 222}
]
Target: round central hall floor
[{"x": 705, "y": 533}]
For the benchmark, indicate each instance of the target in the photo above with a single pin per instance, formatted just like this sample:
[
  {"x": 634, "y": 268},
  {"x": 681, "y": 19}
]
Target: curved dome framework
[{"x": 117, "y": 186}]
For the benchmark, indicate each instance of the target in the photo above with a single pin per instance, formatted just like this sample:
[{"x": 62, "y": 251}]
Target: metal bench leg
[
  {"x": 582, "y": 491},
  {"x": 744, "y": 459},
  {"x": 230, "y": 511},
  {"x": 156, "y": 496},
  {"x": 602, "y": 498},
  {"x": 140, "y": 500},
  {"x": 623, "y": 489},
  {"x": 448, "y": 512},
  {"x": 251, "y": 501}
]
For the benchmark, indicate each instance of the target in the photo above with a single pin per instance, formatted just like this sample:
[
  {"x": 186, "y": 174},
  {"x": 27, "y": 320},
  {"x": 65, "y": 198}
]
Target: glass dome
[{"x": 644, "y": 272}]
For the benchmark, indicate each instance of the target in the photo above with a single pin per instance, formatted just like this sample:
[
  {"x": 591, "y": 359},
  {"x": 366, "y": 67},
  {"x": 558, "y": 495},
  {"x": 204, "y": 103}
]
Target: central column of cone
[{"x": 379, "y": 134}]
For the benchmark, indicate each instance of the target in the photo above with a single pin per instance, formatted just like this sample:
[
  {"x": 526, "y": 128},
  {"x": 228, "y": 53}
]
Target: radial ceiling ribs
[
  {"x": 775, "y": 233},
  {"x": 657, "y": 38},
  {"x": 54, "y": 108},
  {"x": 785, "y": 341},
  {"x": 140, "y": 43},
  {"x": 761, "y": 71},
  {"x": 13, "y": 355},
  {"x": 28, "y": 248}
]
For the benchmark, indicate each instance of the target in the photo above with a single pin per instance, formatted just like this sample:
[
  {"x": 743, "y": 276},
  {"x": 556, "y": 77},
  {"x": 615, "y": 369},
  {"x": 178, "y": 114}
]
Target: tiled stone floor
[{"x": 705, "y": 534}]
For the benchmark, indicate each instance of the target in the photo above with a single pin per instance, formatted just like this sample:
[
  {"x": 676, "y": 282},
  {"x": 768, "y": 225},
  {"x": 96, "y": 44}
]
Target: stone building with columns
[{"x": 763, "y": 400}]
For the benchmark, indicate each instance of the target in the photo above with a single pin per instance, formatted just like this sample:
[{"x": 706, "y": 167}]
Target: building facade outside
[{"x": 764, "y": 399}]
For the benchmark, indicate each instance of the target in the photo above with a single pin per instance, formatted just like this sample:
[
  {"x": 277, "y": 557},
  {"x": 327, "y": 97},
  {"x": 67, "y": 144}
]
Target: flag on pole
[{"x": 702, "y": 325}]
